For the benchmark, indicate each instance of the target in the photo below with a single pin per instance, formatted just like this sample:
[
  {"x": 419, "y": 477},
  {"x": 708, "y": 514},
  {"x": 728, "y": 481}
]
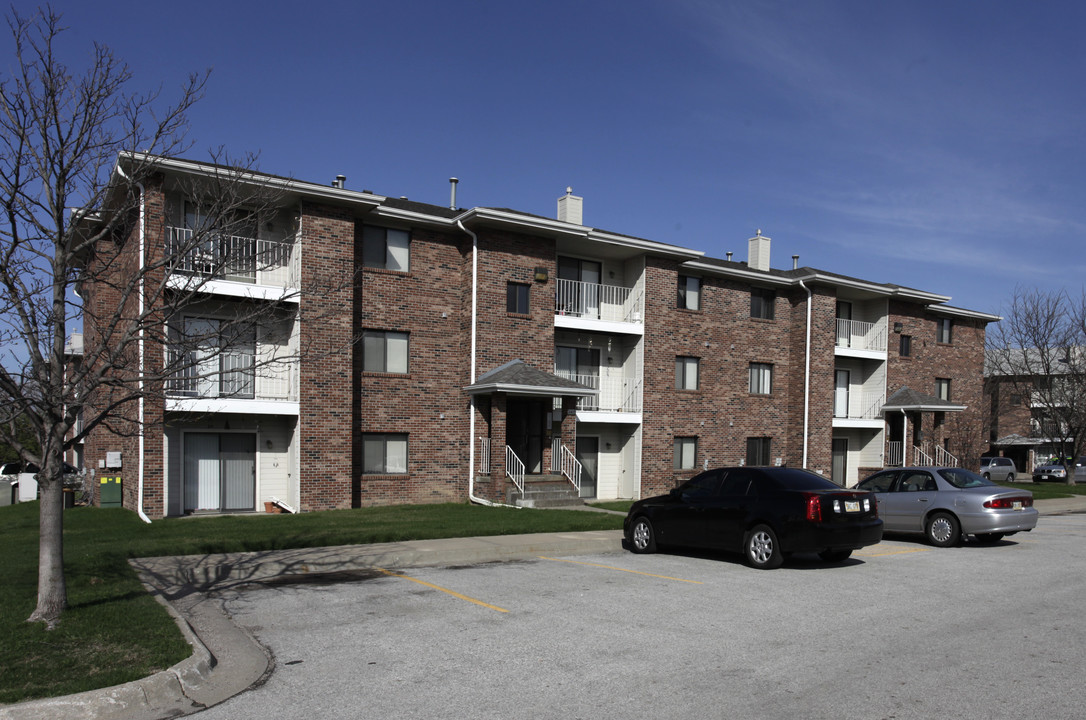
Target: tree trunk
[{"x": 52, "y": 589}]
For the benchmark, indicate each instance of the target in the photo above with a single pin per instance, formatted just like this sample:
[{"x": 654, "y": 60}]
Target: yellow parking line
[
  {"x": 896, "y": 552},
  {"x": 444, "y": 590},
  {"x": 611, "y": 567}
]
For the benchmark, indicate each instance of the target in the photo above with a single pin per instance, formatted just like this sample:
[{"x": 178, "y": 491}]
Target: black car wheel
[
  {"x": 1010, "y": 477},
  {"x": 762, "y": 549},
  {"x": 833, "y": 556},
  {"x": 943, "y": 530},
  {"x": 987, "y": 476},
  {"x": 642, "y": 536},
  {"x": 989, "y": 538}
]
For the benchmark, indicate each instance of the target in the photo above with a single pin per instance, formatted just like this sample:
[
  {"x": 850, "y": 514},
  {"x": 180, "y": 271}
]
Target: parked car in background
[
  {"x": 21, "y": 478},
  {"x": 766, "y": 513},
  {"x": 1055, "y": 471},
  {"x": 947, "y": 504},
  {"x": 998, "y": 469}
]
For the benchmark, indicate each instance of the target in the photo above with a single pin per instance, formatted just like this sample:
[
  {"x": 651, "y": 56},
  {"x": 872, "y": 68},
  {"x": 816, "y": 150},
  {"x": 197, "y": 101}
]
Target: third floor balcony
[
  {"x": 576, "y": 300},
  {"x": 234, "y": 259}
]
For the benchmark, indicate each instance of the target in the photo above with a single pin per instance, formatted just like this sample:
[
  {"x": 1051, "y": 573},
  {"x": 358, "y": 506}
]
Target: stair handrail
[{"x": 514, "y": 468}]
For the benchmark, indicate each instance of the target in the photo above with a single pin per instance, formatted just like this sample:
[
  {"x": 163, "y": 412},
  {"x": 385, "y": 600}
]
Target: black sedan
[{"x": 764, "y": 512}]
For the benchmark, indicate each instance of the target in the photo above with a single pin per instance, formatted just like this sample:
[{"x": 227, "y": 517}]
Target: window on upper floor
[
  {"x": 758, "y": 450},
  {"x": 906, "y": 346},
  {"x": 384, "y": 352},
  {"x": 686, "y": 453},
  {"x": 761, "y": 378},
  {"x": 762, "y": 303},
  {"x": 942, "y": 388},
  {"x": 384, "y": 453},
  {"x": 944, "y": 328},
  {"x": 689, "y": 292},
  {"x": 385, "y": 248},
  {"x": 516, "y": 298},
  {"x": 686, "y": 373},
  {"x": 210, "y": 357}
]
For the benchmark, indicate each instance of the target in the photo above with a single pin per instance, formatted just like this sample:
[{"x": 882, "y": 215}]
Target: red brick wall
[{"x": 326, "y": 338}]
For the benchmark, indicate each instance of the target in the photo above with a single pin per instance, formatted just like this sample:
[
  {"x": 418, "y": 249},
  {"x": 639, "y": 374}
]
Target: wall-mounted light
[
  {"x": 541, "y": 274},
  {"x": 268, "y": 443},
  {"x": 898, "y": 327}
]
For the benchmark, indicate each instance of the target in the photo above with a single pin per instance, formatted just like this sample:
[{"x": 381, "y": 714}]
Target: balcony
[
  {"x": 232, "y": 381},
  {"x": 863, "y": 337},
  {"x": 575, "y": 299},
  {"x": 616, "y": 395},
  {"x": 235, "y": 258}
]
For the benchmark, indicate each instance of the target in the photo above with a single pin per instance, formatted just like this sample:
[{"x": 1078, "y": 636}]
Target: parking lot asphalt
[{"x": 227, "y": 659}]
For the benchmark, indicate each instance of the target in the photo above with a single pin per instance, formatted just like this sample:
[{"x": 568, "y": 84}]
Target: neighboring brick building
[{"x": 434, "y": 354}]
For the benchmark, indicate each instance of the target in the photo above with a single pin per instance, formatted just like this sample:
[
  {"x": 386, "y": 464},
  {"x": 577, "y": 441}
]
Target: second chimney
[
  {"x": 570, "y": 207},
  {"x": 759, "y": 252}
]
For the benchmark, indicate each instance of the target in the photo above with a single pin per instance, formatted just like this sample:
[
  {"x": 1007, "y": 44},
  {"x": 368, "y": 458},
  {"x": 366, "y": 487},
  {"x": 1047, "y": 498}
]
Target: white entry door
[{"x": 840, "y": 393}]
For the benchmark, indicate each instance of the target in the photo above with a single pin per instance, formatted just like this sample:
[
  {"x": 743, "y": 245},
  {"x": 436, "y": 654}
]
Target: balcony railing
[
  {"x": 859, "y": 335},
  {"x": 231, "y": 375},
  {"x": 615, "y": 394},
  {"x": 235, "y": 257},
  {"x": 594, "y": 301},
  {"x": 870, "y": 407}
]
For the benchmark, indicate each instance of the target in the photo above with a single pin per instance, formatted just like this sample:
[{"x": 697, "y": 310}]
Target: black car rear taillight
[{"x": 814, "y": 508}]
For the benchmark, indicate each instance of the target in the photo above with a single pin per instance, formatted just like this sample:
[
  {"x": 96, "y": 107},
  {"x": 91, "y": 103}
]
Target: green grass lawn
[
  {"x": 115, "y": 632},
  {"x": 1049, "y": 490}
]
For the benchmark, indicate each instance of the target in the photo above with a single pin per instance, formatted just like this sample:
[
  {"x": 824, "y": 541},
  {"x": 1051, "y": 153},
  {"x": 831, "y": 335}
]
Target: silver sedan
[{"x": 946, "y": 504}]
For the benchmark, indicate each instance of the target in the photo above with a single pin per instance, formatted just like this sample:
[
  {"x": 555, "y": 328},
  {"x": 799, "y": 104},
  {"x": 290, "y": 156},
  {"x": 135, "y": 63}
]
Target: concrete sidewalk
[{"x": 227, "y": 660}]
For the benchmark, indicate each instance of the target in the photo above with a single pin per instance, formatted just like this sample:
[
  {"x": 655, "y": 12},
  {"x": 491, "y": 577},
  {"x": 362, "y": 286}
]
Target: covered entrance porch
[{"x": 524, "y": 431}]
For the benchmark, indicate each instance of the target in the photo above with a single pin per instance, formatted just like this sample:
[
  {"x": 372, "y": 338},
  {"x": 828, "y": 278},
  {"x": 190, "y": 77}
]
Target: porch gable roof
[
  {"x": 908, "y": 399},
  {"x": 516, "y": 377}
]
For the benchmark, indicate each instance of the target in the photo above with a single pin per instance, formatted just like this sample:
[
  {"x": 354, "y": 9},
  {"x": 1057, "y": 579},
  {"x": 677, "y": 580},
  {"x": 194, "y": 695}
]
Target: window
[
  {"x": 761, "y": 378},
  {"x": 906, "y": 348},
  {"x": 384, "y": 352},
  {"x": 943, "y": 330},
  {"x": 758, "y": 450},
  {"x": 686, "y": 373},
  {"x": 686, "y": 453},
  {"x": 212, "y": 358},
  {"x": 384, "y": 453},
  {"x": 385, "y": 248},
  {"x": 516, "y": 298},
  {"x": 689, "y": 292},
  {"x": 942, "y": 388},
  {"x": 761, "y": 303}
]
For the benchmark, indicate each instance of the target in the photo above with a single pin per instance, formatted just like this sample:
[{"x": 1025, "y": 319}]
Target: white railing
[
  {"x": 860, "y": 335},
  {"x": 235, "y": 257},
  {"x": 232, "y": 375},
  {"x": 921, "y": 458},
  {"x": 894, "y": 454},
  {"x": 570, "y": 467},
  {"x": 614, "y": 394},
  {"x": 484, "y": 456},
  {"x": 594, "y": 301},
  {"x": 944, "y": 458},
  {"x": 872, "y": 404},
  {"x": 514, "y": 468}
]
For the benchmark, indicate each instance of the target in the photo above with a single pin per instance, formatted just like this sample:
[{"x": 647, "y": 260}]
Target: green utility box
[{"x": 109, "y": 491}]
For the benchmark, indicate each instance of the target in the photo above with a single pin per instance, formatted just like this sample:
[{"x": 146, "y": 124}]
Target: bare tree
[
  {"x": 77, "y": 152},
  {"x": 1039, "y": 349}
]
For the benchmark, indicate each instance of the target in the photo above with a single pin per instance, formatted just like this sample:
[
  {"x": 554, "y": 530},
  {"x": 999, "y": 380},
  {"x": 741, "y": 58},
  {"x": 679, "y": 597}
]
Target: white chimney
[
  {"x": 759, "y": 252},
  {"x": 570, "y": 207}
]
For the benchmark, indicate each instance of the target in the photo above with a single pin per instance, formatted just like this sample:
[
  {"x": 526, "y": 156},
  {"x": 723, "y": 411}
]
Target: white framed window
[
  {"x": 942, "y": 388},
  {"x": 759, "y": 450},
  {"x": 762, "y": 303},
  {"x": 384, "y": 352},
  {"x": 384, "y": 453},
  {"x": 944, "y": 330},
  {"x": 386, "y": 248},
  {"x": 761, "y": 378},
  {"x": 686, "y": 453},
  {"x": 689, "y": 292},
  {"x": 686, "y": 373},
  {"x": 516, "y": 298}
]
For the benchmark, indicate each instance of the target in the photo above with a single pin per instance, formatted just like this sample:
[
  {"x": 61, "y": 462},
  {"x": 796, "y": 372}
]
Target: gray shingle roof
[{"x": 518, "y": 378}]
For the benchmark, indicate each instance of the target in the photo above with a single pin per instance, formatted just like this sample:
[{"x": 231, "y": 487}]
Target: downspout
[
  {"x": 474, "y": 322},
  {"x": 807, "y": 375},
  {"x": 141, "y": 344},
  {"x": 904, "y": 435}
]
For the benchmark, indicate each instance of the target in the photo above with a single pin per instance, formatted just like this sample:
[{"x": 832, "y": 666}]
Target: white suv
[{"x": 998, "y": 469}]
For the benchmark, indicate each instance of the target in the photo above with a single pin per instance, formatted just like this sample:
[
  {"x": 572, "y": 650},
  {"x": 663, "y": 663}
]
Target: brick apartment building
[{"x": 473, "y": 353}]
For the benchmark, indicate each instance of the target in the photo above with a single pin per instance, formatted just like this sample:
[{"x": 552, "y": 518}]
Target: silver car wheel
[
  {"x": 641, "y": 536},
  {"x": 762, "y": 549},
  {"x": 943, "y": 530}
]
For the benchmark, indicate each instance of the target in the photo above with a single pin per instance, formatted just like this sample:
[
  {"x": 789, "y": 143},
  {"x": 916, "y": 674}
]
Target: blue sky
[{"x": 937, "y": 145}]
